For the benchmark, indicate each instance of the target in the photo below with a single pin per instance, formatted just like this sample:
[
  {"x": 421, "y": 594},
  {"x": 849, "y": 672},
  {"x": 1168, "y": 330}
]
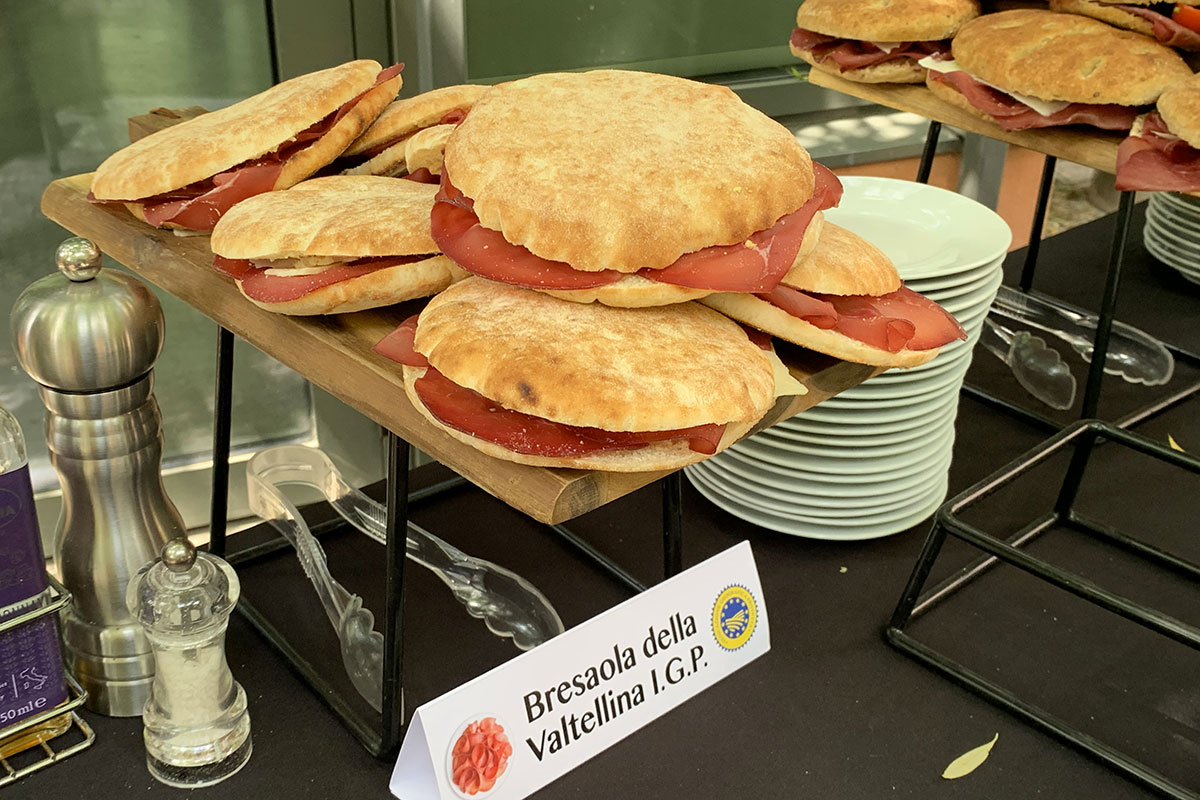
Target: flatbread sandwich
[
  {"x": 408, "y": 137},
  {"x": 1173, "y": 24},
  {"x": 846, "y": 300},
  {"x": 331, "y": 245},
  {"x": 526, "y": 377},
  {"x": 1030, "y": 68},
  {"x": 877, "y": 41},
  {"x": 626, "y": 188},
  {"x": 1162, "y": 152},
  {"x": 188, "y": 175}
]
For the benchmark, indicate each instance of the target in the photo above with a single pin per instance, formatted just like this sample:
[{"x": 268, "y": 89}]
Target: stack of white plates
[
  {"x": 873, "y": 460},
  {"x": 1172, "y": 232}
]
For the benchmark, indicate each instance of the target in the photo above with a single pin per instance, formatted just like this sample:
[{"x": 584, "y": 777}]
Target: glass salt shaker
[{"x": 197, "y": 727}]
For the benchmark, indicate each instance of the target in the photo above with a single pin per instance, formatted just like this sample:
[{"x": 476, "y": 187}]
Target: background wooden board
[
  {"x": 334, "y": 352},
  {"x": 1096, "y": 148}
]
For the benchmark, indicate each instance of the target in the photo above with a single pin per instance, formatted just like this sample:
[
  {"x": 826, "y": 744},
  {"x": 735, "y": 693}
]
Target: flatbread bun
[
  {"x": 388, "y": 164},
  {"x": 1055, "y": 56},
  {"x": 634, "y": 291},
  {"x": 1180, "y": 109},
  {"x": 760, "y": 314},
  {"x": 407, "y": 116},
  {"x": 844, "y": 263},
  {"x": 622, "y": 170},
  {"x": 340, "y": 215},
  {"x": 886, "y": 20},
  {"x": 901, "y": 70},
  {"x": 1113, "y": 15},
  {"x": 215, "y": 142},
  {"x": 426, "y": 147},
  {"x": 383, "y": 287},
  {"x": 620, "y": 369}
]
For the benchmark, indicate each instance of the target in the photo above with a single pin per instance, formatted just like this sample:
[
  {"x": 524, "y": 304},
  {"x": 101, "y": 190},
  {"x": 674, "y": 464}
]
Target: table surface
[{"x": 831, "y": 711}]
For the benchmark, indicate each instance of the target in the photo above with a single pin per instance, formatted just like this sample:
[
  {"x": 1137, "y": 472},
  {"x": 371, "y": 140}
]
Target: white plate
[
  {"x": 863, "y": 424},
  {"x": 1174, "y": 241},
  {"x": 1178, "y": 205},
  {"x": 929, "y": 286},
  {"x": 898, "y": 395},
  {"x": 900, "y": 483},
  {"x": 835, "y": 446},
  {"x": 855, "y": 414},
  {"x": 950, "y": 294},
  {"x": 926, "y": 231},
  {"x": 1180, "y": 259},
  {"x": 819, "y": 503},
  {"x": 968, "y": 304},
  {"x": 782, "y": 524},
  {"x": 1165, "y": 214},
  {"x": 822, "y": 468}
]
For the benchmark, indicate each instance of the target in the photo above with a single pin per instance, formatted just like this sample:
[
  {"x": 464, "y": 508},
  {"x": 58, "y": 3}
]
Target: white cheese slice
[
  {"x": 1047, "y": 108},
  {"x": 886, "y": 47},
  {"x": 785, "y": 384},
  {"x": 295, "y": 272}
]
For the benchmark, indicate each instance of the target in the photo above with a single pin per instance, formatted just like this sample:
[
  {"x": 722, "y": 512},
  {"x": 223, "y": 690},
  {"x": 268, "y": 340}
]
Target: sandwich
[
  {"x": 877, "y": 41},
  {"x": 626, "y": 188},
  {"x": 1162, "y": 152},
  {"x": 847, "y": 300},
  {"x": 386, "y": 147},
  {"x": 529, "y": 378},
  {"x": 332, "y": 245},
  {"x": 1173, "y": 24},
  {"x": 1030, "y": 68},
  {"x": 187, "y": 176}
]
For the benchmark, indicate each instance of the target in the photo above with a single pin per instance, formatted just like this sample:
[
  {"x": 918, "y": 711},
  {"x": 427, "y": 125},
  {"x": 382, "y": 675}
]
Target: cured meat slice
[
  {"x": 472, "y": 413},
  {"x": 850, "y": 54},
  {"x": 758, "y": 264},
  {"x": 399, "y": 345},
  {"x": 1013, "y": 115},
  {"x": 893, "y": 322},
  {"x": 258, "y": 284},
  {"x": 422, "y": 175},
  {"x": 1151, "y": 162}
]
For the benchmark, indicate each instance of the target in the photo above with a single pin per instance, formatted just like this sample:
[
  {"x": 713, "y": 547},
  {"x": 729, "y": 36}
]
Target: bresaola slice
[
  {"x": 1155, "y": 160},
  {"x": 755, "y": 265},
  {"x": 850, "y": 54},
  {"x": 1165, "y": 29}
]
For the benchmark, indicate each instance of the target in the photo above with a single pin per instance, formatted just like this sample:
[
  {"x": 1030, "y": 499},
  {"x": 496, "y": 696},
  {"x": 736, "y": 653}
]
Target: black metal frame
[
  {"x": 381, "y": 733},
  {"x": 1083, "y": 436},
  {"x": 1105, "y": 317}
]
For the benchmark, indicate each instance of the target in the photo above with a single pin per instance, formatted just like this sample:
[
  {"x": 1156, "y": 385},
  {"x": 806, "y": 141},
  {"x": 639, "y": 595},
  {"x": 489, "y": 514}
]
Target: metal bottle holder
[{"x": 12, "y": 773}]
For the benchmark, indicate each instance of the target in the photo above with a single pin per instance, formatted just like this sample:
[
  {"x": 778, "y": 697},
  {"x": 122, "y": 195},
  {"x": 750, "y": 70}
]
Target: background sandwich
[
  {"x": 626, "y": 188},
  {"x": 1173, "y": 24},
  {"x": 388, "y": 147},
  {"x": 529, "y": 378},
  {"x": 1029, "y": 68},
  {"x": 877, "y": 41},
  {"x": 1162, "y": 152},
  {"x": 846, "y": 300},
  {"x": 187, "y": 176},
  {"x": 332, "y": 245}
]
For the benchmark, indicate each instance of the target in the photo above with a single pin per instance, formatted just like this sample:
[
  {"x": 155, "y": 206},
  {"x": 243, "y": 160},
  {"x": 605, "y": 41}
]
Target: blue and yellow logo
[{"x": 734, "y": 616}]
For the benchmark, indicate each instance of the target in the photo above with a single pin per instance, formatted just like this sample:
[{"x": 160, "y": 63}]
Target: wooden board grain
[
  {"x": 1095, "y": 148},
  {"x": 334, "y": 352}
]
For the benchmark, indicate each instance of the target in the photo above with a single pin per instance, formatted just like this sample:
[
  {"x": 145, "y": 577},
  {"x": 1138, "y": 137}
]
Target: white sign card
[{"x": 515, "y": 729}]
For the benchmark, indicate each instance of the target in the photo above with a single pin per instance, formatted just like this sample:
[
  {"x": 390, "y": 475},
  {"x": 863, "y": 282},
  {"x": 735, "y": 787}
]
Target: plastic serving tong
[
  {"x": 506, "y": 602},
  {"x": 1133, "y": 354},
  {"x": 1039, "y": 369}
]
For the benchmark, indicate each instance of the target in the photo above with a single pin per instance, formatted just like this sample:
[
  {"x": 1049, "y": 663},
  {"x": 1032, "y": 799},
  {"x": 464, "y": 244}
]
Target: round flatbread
[
  {"x": 425, "y": 148},
  {"x": 355, "y": 216},
  {"x": 624, "y": 170},
  {"x": 886, "y": 20},
  {"x": 411, "y": 114},
  {"x": 619, "y": 369},
  {"x": 211, "y": 143},
  {"x": 1056, "y": 56}
]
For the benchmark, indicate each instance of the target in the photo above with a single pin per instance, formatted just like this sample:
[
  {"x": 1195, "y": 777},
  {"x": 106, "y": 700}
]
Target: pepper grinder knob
[
  {"x": 178, "y": 555},
  {"x": 78, "y": 258}
]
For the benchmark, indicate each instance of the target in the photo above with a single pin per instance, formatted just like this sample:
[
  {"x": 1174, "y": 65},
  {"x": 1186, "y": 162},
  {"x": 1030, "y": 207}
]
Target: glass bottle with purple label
[{"x": 31, "y": 665}]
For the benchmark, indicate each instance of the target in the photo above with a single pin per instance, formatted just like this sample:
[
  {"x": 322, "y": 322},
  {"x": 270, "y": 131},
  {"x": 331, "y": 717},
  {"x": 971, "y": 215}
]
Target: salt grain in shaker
[{"x": 197, "y": 728}]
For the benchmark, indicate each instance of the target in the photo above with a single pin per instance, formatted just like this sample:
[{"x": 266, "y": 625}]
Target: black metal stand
[
  {"x": 1083, "y": 436},
  {"x": 381, "y": 733}
]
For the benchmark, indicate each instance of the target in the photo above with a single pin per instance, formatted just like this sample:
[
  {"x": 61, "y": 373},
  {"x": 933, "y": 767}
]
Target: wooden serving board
[
  {"x": 334, "y": 352},
  {"x": 1096, "y": 149}
]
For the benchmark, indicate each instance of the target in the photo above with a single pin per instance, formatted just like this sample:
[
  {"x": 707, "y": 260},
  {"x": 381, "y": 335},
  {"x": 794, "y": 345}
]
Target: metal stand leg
[
  {"x": 672, "y": 511},
  {"x": 931, "y": 143},
  {"x": 397, "y": 538},
  {"x": 223, "y": 410},
  {"x": 1091, "y": 396},
  {"x": 1039, "y": 221}
]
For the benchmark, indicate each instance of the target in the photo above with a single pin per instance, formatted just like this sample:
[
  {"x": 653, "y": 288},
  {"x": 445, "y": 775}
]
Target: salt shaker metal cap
[
  {"x": 109, "y": 322},
  {"x": 90, "y": 337},
  {"x": 196, "y": 724}
]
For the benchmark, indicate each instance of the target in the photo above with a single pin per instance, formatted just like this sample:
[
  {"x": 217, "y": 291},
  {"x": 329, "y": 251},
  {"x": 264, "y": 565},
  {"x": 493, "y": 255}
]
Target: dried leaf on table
[
  {"x": 1174, "y": 444},
  {"x": 969, "y": 761}
]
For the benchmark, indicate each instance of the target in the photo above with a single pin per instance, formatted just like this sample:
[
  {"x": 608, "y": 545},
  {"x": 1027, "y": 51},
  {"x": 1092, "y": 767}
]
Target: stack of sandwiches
[
  {"x": 1030, "y": 68},
  {"x": 877, "y": 41},
  {"x": 187, "y": 176}
]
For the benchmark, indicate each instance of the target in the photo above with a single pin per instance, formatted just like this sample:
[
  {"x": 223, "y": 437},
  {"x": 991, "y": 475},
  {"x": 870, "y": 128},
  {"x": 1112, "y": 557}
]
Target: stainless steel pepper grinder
[{"x": 90, "y": 337}]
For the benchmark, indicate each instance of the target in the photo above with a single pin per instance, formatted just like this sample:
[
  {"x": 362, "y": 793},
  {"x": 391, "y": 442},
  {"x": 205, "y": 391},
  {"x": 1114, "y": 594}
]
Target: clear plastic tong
[{"x": 506, "y": 602}]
